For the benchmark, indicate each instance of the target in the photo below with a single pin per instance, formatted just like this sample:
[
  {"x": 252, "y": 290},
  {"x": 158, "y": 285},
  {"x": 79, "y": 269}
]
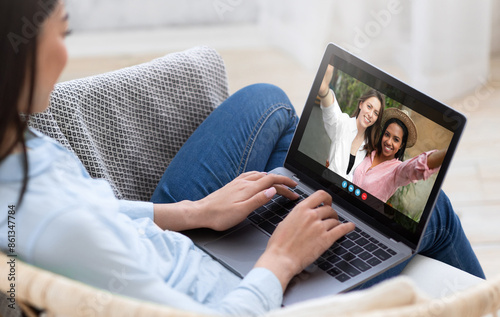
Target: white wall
[
  {"x": 439, "y": 46},
  {"x": 129, "y": 14},
  {"x": 442, "y": 47},
  {"x": 298, "y": 27},
  {"x": 450, "y": 46}
]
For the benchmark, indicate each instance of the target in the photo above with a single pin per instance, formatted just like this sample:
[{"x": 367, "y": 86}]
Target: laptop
[{"x": 387, "y": 233}]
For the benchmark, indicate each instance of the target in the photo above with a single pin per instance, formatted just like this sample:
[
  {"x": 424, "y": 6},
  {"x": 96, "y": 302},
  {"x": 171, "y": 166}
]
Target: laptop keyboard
[{"x": 352, "y": 254}]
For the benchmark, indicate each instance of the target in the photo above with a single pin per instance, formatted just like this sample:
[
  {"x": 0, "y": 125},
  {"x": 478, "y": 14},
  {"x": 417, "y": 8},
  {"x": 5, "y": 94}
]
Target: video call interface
[{"x": 401, "y": 205}]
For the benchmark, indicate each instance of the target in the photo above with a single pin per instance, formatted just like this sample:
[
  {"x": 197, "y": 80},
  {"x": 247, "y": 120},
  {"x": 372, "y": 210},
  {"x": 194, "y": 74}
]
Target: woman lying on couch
[{"x": 73, "y": 225}]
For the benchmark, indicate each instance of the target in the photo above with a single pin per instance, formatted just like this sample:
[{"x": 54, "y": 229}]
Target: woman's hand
[
  {"x": 231, "y": 204},
  {"x": 227, "y": 206},
  {"x": 306, "y": 233},
  {"x": 326, "y": 97}
]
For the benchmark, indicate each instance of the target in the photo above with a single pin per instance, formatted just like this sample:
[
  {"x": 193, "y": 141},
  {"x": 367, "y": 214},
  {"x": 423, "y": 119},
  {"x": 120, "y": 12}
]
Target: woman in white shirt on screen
[{"x": 352, "y": 137}]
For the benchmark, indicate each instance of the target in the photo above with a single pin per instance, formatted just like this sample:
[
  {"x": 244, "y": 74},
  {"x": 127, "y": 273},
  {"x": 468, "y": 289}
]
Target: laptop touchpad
[{"x": 239, "y": 249}]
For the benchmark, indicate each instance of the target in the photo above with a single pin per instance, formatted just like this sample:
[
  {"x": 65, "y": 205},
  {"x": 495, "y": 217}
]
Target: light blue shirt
[{"x": 73, "y": 225}]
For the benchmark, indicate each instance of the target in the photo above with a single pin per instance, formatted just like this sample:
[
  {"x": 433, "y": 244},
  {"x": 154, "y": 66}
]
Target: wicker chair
[
  {"x": 126, "y": 126},
  {"x": 40, "y": 290}
]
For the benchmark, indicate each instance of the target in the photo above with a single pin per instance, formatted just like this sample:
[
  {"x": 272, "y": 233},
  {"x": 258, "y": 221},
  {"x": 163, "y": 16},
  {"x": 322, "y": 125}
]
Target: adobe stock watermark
[
  {"x": 381, "y": 19},
  {"x": 438, "y": 307},
  {"x": 224, "y": 6},
  {"x": 30, "y": 27},
  {"x": 472, "y": 103},
  {"x": 466, "y": 106}
]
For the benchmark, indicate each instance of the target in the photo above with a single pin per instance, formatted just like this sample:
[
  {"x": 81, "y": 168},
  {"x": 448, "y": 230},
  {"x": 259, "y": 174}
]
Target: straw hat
[{"x": 408, "y": 122}]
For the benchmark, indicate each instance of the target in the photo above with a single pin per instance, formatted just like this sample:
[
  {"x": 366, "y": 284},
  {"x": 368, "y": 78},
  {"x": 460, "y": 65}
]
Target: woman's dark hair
[
  {"x": 19, "y": 29},
  {"x": 401, "y": 153},
  {"x": 373, "y": 131}
]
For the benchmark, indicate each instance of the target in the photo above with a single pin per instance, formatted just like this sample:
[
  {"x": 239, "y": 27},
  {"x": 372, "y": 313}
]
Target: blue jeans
[
  {"x": 252, "y": 130},
  {"x": 444, "y": 240}
]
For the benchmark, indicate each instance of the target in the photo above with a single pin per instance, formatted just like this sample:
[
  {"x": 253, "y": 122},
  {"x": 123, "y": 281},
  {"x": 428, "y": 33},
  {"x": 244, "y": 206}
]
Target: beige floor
[{"x": 473, "y": 182}]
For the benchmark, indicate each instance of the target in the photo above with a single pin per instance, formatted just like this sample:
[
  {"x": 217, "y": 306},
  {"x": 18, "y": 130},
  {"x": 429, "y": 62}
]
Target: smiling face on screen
[
  {"x": 369, "y": 111},
  {"x": 392, "y": 141}
]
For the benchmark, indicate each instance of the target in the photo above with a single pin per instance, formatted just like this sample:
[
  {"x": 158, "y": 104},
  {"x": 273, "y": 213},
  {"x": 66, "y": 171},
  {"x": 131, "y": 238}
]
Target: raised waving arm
[
  {"x": 324, "y": 94},
  {"x": 435, "y": 159}
]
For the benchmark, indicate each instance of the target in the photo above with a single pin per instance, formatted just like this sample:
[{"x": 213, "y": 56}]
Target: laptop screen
[{"x": 380, "y": 147}]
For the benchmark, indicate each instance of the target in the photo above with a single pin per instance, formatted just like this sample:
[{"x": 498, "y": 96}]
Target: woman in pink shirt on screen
[{"x": 383, "y": 171}]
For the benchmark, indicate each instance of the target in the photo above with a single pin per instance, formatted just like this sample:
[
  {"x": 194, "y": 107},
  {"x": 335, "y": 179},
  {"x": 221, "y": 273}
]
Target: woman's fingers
[
  {"x": 318, "y": 198},
  {"x": 267, "y": 180},
  {"x": 263, "y": 181},
  {"x": 340, "y": 230},
  {"x": 252, "y": 176},
  {"x": 330, "y": 223},
  {"x": 310, "y": 229},
  {"x": 327, "y": 212},
  {"x": 286, "y": 192},
  {"x": 274, "y": 179}
]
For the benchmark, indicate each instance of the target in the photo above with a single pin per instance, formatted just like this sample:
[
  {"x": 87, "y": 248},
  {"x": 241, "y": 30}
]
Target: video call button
[{"x": 356, "y": 191}]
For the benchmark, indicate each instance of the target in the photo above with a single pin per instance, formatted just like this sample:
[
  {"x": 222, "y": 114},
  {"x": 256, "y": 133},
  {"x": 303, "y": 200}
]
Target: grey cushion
[{"x": 127, "y": 125}]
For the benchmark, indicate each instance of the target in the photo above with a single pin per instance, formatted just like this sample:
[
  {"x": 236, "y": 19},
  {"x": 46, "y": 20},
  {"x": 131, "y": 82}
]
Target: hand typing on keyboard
[
  {"x": 227, "y": 206},
  {"x": 305, "y": 233}
]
